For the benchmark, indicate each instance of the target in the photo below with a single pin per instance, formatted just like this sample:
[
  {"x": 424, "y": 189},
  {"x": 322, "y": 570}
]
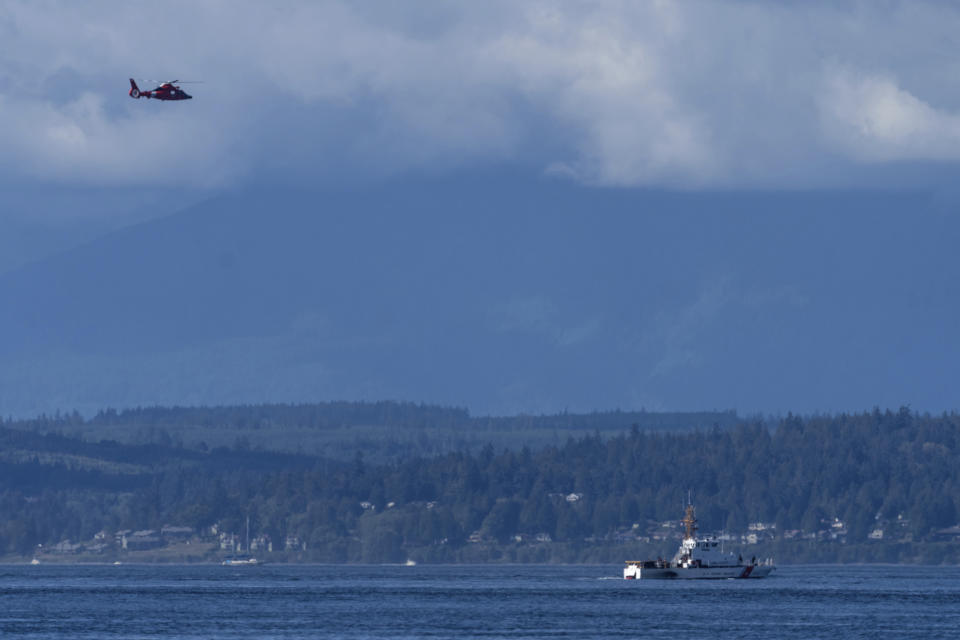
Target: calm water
[{"x": 475, "y": 601}]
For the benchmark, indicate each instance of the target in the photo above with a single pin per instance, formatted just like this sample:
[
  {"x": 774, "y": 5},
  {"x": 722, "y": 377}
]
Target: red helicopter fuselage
[{"x": 166, "y": 91}]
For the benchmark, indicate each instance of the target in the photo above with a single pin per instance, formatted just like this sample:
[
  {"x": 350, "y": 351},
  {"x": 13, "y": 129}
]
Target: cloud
[
  {"x": 606, "y": 83},
  {"x": 871, "y": 118},
  {"x": 78, "y": 141},
  {"x": 665, "y": 94}
]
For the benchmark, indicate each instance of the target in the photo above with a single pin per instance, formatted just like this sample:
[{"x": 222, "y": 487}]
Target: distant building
[
  {"x": 229, "y": 541},
  {"x": 66, "y": 547},
  {"x": 261, "y": 543},
  {"x": 949, "y": 533},
  {"x": 293, "y": 543},
  {"x": 180, "y": 533},
  {"x": 142, "y": 540}
]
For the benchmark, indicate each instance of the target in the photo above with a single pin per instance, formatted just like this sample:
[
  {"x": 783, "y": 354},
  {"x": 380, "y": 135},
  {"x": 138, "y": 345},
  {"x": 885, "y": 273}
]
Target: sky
[
  {"x": 640, "y": 97},
  {"x": 679, "y": 95}
]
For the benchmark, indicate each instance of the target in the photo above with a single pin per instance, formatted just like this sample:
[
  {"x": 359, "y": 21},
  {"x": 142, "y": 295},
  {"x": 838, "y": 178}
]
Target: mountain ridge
[{"x": 504, "y": 297}]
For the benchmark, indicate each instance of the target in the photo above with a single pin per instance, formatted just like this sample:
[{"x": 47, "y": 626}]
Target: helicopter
[{"x": 165, "y": 91}]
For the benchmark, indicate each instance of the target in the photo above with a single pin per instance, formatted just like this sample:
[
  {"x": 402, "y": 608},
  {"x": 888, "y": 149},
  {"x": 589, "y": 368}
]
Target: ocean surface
[{"x": 321, "y": 601}]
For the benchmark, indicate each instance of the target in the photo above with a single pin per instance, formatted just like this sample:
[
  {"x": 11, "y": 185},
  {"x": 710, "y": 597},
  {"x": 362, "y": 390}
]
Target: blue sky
[{"x": 736, "y": 98}]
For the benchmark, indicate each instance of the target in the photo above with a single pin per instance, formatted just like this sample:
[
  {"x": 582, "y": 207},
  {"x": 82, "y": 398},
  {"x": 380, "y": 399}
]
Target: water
[{"x": 282, "y": 601}]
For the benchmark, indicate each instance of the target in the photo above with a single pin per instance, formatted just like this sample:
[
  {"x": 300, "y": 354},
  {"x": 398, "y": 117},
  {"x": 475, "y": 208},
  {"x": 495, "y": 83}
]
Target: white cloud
[
  {"x": 606, "y": 83},
  {"x": 677, "y": 94},
  {"x": 78, "y": 141},
  {"x": 871, "y": 118}
]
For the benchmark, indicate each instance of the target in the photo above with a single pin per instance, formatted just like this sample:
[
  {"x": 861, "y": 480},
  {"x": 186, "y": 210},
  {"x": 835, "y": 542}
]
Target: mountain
[{"x": 501, "y": 296}]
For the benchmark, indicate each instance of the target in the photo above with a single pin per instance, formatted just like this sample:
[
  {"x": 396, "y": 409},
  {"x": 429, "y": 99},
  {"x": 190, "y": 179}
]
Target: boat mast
[{"x": 690, "y": 521}]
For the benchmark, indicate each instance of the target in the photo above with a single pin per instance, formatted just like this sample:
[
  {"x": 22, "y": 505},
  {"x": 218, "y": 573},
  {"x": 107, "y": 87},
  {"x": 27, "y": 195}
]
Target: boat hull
[{"x": 697, "y": 573}]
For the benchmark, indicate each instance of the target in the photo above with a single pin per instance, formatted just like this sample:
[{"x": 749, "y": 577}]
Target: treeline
[
  {"x": 325, "y": 415},
  {"x": 801, "y": 474},
  {"x": 384, "y": 431},
  {"x": 332, "y": 415}
]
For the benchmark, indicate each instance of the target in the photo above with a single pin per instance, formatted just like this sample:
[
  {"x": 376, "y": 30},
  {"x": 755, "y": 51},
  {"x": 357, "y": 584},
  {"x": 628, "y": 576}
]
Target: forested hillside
[
  {"x": 880, "y": 486},
  {"x": 383, "y": 431}
]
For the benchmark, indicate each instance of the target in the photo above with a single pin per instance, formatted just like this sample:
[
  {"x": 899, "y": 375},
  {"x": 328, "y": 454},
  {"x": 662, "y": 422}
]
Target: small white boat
[
  {"x": 698, "y": 558},
  {"x": 242, "y": 560}
]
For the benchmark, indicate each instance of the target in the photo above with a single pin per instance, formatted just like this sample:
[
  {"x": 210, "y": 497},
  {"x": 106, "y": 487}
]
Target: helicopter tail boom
[{"x": 134, "y": 89}]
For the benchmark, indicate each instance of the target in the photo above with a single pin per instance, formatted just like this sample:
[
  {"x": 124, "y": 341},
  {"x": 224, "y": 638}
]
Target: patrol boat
[{"x": 698, "y": 558}]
